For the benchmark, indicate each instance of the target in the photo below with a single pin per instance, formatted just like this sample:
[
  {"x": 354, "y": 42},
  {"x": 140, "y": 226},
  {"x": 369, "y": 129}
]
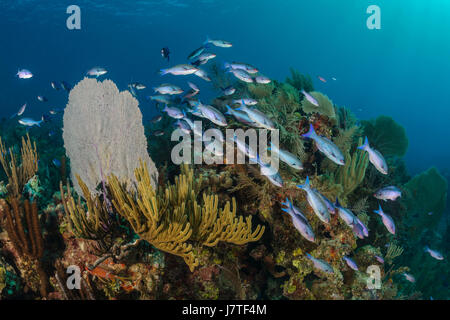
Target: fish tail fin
[
  {"x": 306, "y": 185},
  {"x": 379, "y": 210},
  {"x": 163, "y": 72},
  {"x": 206, "y": 42},
  {"x": 425, "y": 248},
  {"x": 365, "y": 144},
  {"x": 286, "y": 203},
  {"x": 337, "y": 204},
  {"x": 308, "y": 255},
  {"x": 228, "y": 110},
  {"x": 226, "y": 65},
  {"x": 311, "y": 133}
]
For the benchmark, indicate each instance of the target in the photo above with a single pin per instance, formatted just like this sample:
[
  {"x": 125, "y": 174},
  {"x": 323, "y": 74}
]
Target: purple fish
[
  {"x": 351, "y": 263},
  {"x": 388, "y": 193},
  {"x": 310, "y": 98},
  {"x": 173, "y": 112},
  {"x": 435, "y": 254},
  {"x": 387, "y": 220},
  {"x": 375, "y": 157},
  {"x": 409, "y": 277},
  {"x": 379, "y": 259},
  {"x": 24, "y": 74},
  {"x": 299, "y": 220},
  {"x": 320, "y": 264}
]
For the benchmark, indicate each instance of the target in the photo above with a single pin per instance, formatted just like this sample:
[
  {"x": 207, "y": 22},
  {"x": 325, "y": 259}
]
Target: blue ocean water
[{"x": 401, "y": 70}]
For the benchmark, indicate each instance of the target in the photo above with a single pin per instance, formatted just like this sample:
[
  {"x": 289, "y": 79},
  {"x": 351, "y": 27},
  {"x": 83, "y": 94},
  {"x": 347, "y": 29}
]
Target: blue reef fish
[
  {"x": 24, "y": 74},
  {"x": 345, "y": 214},
  {"x": 42, "y": 98},
  {"x": 202, "y": 74},
  {"x": 276, "y": 180},
  {"x": 330, "y": 205},
  {"x": 316, "y": 202},
  {"x": 20, "y": 112},
  {"x": 228, "y": 91},
  {"x": 351, "y": 263},
  {"x": 310, "y": 98},
  {"x": 326, "y": 146},
  {"x": 266, "y": 169},
  {"x": 364, "y": 228},
  {"x": 138, "y": 85},
  {"x": 96, "y": 72},
  {"x": 245, "y": 148},
  {"x": 160, "y": 98},
  {"x": 179, "y": 70},
  {"x": 388, "y": 193},
  {"x": 387, "y": 220},
  {"x": 286, "y": 157},
  {"x": 409, "y": 277},
  {"x": 56, "y": 162},
  {"x": 240, "y": 116},
  {"x": 262, "y": 80},
  {"x": 217, "y": 43},
  {"x": 245, "y": 102},
  {"x": 375, "y": 157},
  {"x": 30, "y": 122},
  {"x": 183, "y": 126},
  {"x": 193, "y": 86},
  {"x": 240, "y": 66},
  {"x": 257, "y": 116},
  {"x": 196, "y": 52},
  {"x": 379, "y": 259},
  {"x": 167, "y": 88},
  {"x": 203, "y": 58},
  {"x": 173, "y": 112},
  {"x": 299, "y": 220},
  {"x": 241, "y": 75},
  {"x": 435, "y": 254},
  {"x": 197, "y": 130},
  {"x": 212, "y": 114},
  {"x": 320, "y": 264},
  {"x": 158, "y": 133}
]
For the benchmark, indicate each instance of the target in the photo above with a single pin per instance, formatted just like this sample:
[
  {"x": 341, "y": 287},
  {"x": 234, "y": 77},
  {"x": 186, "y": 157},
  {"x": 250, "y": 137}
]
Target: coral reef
[{"x": 103, "y": 134}]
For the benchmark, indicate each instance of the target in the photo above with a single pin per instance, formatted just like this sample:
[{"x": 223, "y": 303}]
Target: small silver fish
[
  {"x": 320, "y": 264},
  {"x": 316, "y": 202},
  {"x": 245, "y": 101},
  {"x": 240, "y": 116},
  {"x": 299, "y": 221},
  {"x": 379, "y": 259},
  {"x": 24, "y": 74},
  {"x": 193, "y": 86},
  {"x": 42, "y": 98},
  {"x": 245, "y": 148},
  {"x": 375, "y": 157},
  {"x": 241, "y": 75},
  {"x": 138, "y": 85},
  {"x": 212, "y": 114},
  {"x": 257, "y": 116},
  {"x": 202, "y": 74},
  {"x": 287, "y": 157},
  {"x": 228, "y": 91},
  {"x": 435, "y": 254},
  {"x": 262, "y": 80},
  {"x": 161, "y": 99},
  {"x": 326, "y": 146},
  {"x": 183, "y": 126},
  {"x": 173, "y": 112},
  {"x": 240, "y": 66},
  {"x": 409, "y": 277},
  {"x": 22, "y": 109},
  {"x": 218, "y": 43},
  {"x": 310, "y": 98},
  {"x": 388, "y": 193},
  {"x": 167, "y": 88},
  {"x": 179, "y": 70},
  {"x": 387, "y": 220},
  {"x": 196, "y": 52},
  {"x": 30, "y": 122},
  {"x": 96, "y": 72}
]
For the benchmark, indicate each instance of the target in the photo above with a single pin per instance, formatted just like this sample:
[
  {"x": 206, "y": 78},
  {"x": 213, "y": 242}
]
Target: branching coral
[
  {"x": 300, "y": 81},
  {"x": 171, "y": 217},
  {"x": 386, "y": 135},
  {"x": 325, "y": 107},
  {"x": 353, "y": 172},
  {"x": 23, "y": 227},
  {"x": 19, "y": 174}
]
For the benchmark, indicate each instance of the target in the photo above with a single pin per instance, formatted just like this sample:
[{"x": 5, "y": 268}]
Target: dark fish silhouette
[{"x": 165, "y": 53}]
